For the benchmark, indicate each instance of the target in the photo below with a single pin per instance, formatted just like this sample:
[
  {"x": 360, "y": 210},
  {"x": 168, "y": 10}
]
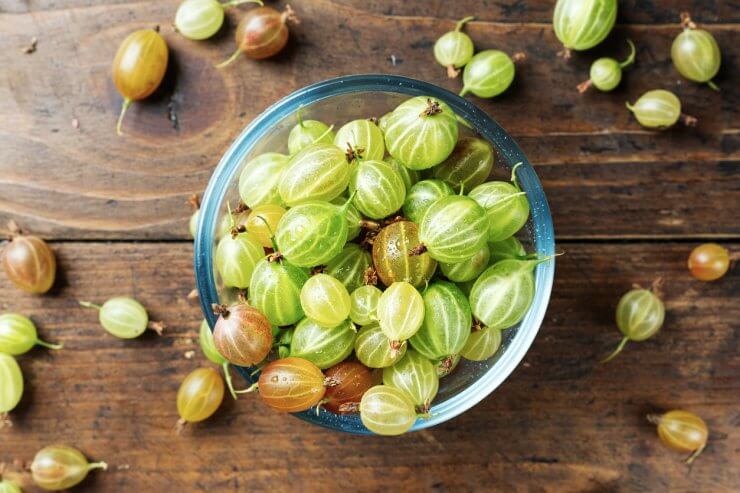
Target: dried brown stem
[
  {"x": 370, "y": 276},
  {"x": 688, "y": 120},
  {"x": 564, "y": 53},
  {"x": 369, "y": 224},
  {"x": 5, "y": 421},
  {"x": 433, "y": 108},
  {"x": 452, "y": 72},
  {"x": 583, "y": 86},
  {"x": 330, "y": 382},
  {"x": 352, "y": 153},
  {"x": 222, "y": 310},
  {"x": 349, "y": 407},
  {"x": 477, "y": 325},
  {"x": 180, "y": 425},
  {"x": 157, "y": 327},
  {"x": 656, "y": 287},
  {"x": 289, "y": 15},
  {"x": 396, "y": 347},
  {"x": 519, "y": 57},
  {"x": 417, "y": 250},
  {"x": 686, "y": 21},
  {"x": 317, "y": 270},
  {"x": 31, "y": 46},
  {"x": 240, "y": 208},
  {"x": 194, "y": 201},
  {"x": 237, "y": 230},
  {"x": 275, "y": 257},
  {"x": 193, "y": 295}
]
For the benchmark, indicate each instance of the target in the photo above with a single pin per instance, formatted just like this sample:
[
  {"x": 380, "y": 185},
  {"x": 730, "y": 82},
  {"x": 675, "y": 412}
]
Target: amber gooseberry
[
  {"x": 683, "y": 431},
  {"x": 351, "y": 380},
  {"x": 386, "y": 410},
  {"x": 242, "y": 334},
  {"x": 28, "y": 261},
  {"x": 446, "y": 324},
  {"x": 640, "y": 315},
  {"x": 695, "y": 53},
  {"x": 364, "y": 305},
  {"x": 307, "y": 132},
  {"x": 322, "y": 345},
  {"x": 606, "y": 73},
  {"x": 237, "y": 253},
  {"x": 482, "y": 343},
  {"x": 18, "y": 335},
  {"x": 261, "y": 33},
  {"x": 506, "y": 206},
  {"x": 350, "y": 266},
  {"x": 468, "y": 166},
  {"x": 317, "y": 172},
  {"x": 709, "y": 262},
  {"x": 415, "y": 376},
  {"x": 489, "y": 73},
  {"x": 400, "y": 312},
  {"x": 201, "y": 19},
  {"x": 582, "y": 24},
  {"x": 292, "y": 385},
  {"x": 453, "y": 229},
  {"x": 11, "y": 387},
  {"x": 454, "y": 48},
  {"x": 263, "y": 221},
  {"x": 259, "y": 179},
  {"x": 124, "y": 317},
  {"x": 199, "y": 396},
  {"x": 373, "y": 348},
  {"x": 392, "y": 258},
  {"x": 379, "y": 188},
  {"x": 139, "y": 67},
  {"x": 275, "y": 290},
  {"x": 659, "y": 109},
  {"x": 418, "y": 117},
  {"x": 59, "y": 467},
  {"x": 361, "y": 139},
  {"x": 423, "y": 194},
  {"x": 325, "y": 300}
]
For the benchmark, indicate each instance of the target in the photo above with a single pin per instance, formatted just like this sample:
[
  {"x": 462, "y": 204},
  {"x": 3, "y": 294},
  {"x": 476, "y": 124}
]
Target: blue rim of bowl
[{"x": 487, "y": 127}]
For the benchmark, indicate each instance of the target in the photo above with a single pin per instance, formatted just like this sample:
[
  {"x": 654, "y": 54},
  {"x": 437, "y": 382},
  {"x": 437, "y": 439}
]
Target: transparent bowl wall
[{"x": 338, "y": 101}]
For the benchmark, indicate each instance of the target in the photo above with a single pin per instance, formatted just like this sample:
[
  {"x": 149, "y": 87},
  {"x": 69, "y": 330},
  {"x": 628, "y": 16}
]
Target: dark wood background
[{"x": 628, "y": 204}]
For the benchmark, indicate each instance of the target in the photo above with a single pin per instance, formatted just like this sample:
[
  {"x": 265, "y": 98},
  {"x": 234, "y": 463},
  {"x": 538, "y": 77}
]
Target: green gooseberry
[
  {"x": 11, "y": 387},
  {"x": 695, "y": 53},
  {"x": 582, "y": 24},
  {"x": 454, "y": 228},
  {"x": 353, "y": 217},
  {"x": 400, "y": 312},
  {"x": 7, "y": 486},
  {"x": 640, "y": 315},
  {"x": 468, "y": 269},
  {"x": 237, "y": 254},
  {"x": 421, "y": 132},
  {"x": 468, "y": 166},
  {"x": 489, "y": 73},
  {"x": 373, "y": 348},
  {"x": 322, "y": 346},
  {"x": 307, "y": 132},
  {"x": 447, "y": 322},
  {"x": 383, "y": 122},
  {"x": 350, "y": 266},
  {"x": 511, "y": 247},
  {"x": 275, "y": 290},
  {"x": 364, "y": 305},
  {"x": 482, "y": 344},
  {"x": 423, "y": 194},
  {"x": 325, "y": 300},
  {"x": 606, "y": 73},
  {"x": 18, "y": 335},
  {"x": 505, "y": 204},
  {"x": 201, "y": 19},
  {"x": 205, "y": 339},
  {"x": 385, "y": 410},
  {"x": 259, "y": 179},
  {"x": 378, "y": 189},
  {"x": 124, "y": 317},
  {"x": 316, "y": 172},
  {"x": 415, "y": 376},
  {"x": 454, "y": 48},
  {"x": 361, "y": 138},
  {"x": 659, "y": 109},
  {"x": 409, "y": 176}
]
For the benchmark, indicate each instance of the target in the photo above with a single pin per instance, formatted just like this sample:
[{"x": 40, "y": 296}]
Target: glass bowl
[{"x": 338, "y": 101}]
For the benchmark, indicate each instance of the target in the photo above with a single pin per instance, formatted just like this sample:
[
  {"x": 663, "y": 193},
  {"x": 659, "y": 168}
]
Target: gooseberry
[
  {"x": 364, "y": 305},
  {"x": 124, "y": 317},
  {"x": 352, "y": 380},
  {"x": 194, "y": 201},
  {"x": 237, "y": 254},
  {"x": 317, "y": 172},
  {"x": 422, "y": 195},
  {"x": 454, "y": 48},
  {"x": 446, "y": 324},
  {"x": 511, "y": 247},
  {"x": 259, "y": 179},
  {"x": 659, "y": 109},
  {"x": 606, "y": 73},
  {"x": 201, "y": 19},
  {"x": 208, "y": 346},
  {"x": 7, "y": 486},
  {"x": 489, "y": 73},
  {"x": 18, "y": 335},
  {"x": 421, "y": 132},
  {"x": 695, "y": 53},
  {"x": 482, "y": 344},
  {"x": 683, "y": 431},
  {"x": 28, "y": 262},
  {"x": 242, "y": 334},
  {"x": 361, "y": 138},
  {"x": 323, "y": 346},
  {"x": 392, "y": 257},
  {"x": 292, "y": 385},
  {"x": 139, "y": 67},
  {"x": 275, "y": 290},
  {"x": 453, "y": 228},
  {"x": 581, "y": 25},
  {"x": 373, "y": 348},
  {"x": 709, "y": 262},
  {"x": 307, "y": 132},
  {"x": 59, "y": 467},
  {"x": 385, "y": 410},
  {"x": 379, "y": 189},
  {"x": 350, "y": 266},
  {"x": 325, "y": 300},
  {"x": 505, "y": 204},
  {"x": 415, "y": 376},
  {"x": 199, "y": 396},
  {"x": 400, "y": 312},
  {"x": 263, "y": 221},
  {"x": 261, "y": 33},
  {"x": 468, "y": 269},
  {"x": 11, "y": 387},
  {"x": 409, "y": 176},
  {"x": 468, "y": 166}
]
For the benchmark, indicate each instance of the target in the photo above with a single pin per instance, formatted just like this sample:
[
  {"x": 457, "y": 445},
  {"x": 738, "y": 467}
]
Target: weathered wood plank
[{"x": 561, "y": 422}]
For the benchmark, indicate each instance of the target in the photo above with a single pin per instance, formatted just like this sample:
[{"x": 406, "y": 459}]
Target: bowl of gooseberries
[{"x": 374, "y": 254}]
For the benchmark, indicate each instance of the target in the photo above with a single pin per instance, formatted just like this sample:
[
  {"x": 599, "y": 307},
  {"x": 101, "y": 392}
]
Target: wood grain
[
  {"x": 84, "y": 183},
  {"x": 561, "y": 422}
]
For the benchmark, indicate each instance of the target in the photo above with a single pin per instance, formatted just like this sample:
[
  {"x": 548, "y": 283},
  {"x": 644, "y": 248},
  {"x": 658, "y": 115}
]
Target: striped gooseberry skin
[
  {"x": 696, "y": 56},
  {"x": 605, "y": 74},
  {"x": 236, "y": 257},
  {"x": 409, "y": 176},
  {"x": 488, "y": 74},
  {"x": 421, "y": 117},
  {"x": 11, "y": 384},
  {"x": 468, "y": 269},
  {"x": 200, "y": 395},
  {"x": 317, "y": 172},
  {"x": 364, "y": 305},
  {"x": 350, "y": 266},
  {"x": 507, "y": 209},
  {"x": 582, "y": 24},
  {"x": 681, "y": 430},
  {"x": 18, "y": 335},
  {"x": 321, "y": 345},
  {"x": 468, "y": 166},
  {"x": 482, "y": 344},
  {"x": 325, "y": 300},
  {"x": 454, "y": 228},
  {"x": 312, "y": 233},
  {"x": 385, "y": 410},
  {"x": 263, "y": 221},
  {"x": 392, "y": 255},
  {"x": 657, "y": 109},
  {"x": 59, "y": 467},
  {"x": 352, "y": 380},
  {"x": 123, "y": 317},
  {"x": 362, "y": 136},
  {"x": 373, "y": 348},
  {"x": 504, "y": 292},
  {"x": 400, "y": 311},
  {"x": 242, "y": 335},
  {"x": 423, "y": 194},
  {"x": 275, "y": 290},
  {"x": 416, "y": 377},
  {"x": 511, "y": 247},
  {"x": 709, "y": 262},
  {"x": 454, "y": 48},
  {"x": 352, "y": 216},
  {"x": 640, "y": 314},
  {"x": 309, "y": 132},
  {"x": 378, "y": 189},
  {"x": 259, "y": 179},
  {"x": 447, "y": 322},
  {"x": 291, "y": 385},
  {"x": 29, "y": 263}
]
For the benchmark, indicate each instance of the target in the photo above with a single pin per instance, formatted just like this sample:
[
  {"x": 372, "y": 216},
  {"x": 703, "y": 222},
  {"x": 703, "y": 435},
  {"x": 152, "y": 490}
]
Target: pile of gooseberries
[{"x": 349, "y": 265}]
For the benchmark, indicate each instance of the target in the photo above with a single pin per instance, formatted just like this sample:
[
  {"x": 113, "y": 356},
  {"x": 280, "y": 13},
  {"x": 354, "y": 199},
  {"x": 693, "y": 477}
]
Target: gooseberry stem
[
  {"x": 369, "y": 224},
  {"x": 688, "y": 120},
  {"x": 234, "y": 3},
  {"x": 227, "y": 377},
  {"x": 513, "y": 173},
  {"x": 616, "y": 351},
  {"x": 5, "y": 421},
  {"x": 87, "y": 304},
  {"x": 452, "y": 72},
  {"x": 252, "y": 388},
  {"x": 583, "y": 86},
  {"x": 712, "y": 85},
  {"x": 49, "y": 345},
  {"x": 289, "y": 15},
  {"x": 518, "y": 57},
  {"x": 181, "y": 423},
  {"x": 463, "y": 21},
  {"x": 230, "y": 60},
  {"x": 631, "y": 58},
  {"x": 326, "y": 132},
  {"x": 194, "y": 201},
  {"x": 97, "y": 465},
  {"x": 126, "y": 103},
  {"x": 272, "y": 233},
  {"x": 157, "y": 327},
  {"x": 696, "y": 454},
  {"x": 300, "y": 117},
  {"x": 686, "y": 21}
]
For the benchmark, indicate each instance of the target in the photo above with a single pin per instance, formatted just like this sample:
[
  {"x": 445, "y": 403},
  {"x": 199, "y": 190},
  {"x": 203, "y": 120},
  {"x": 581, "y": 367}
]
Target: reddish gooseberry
[
  {"x": 28, "y": 262},
  {"x": 242, "y": 334},
  {"x": 352, "y": 379},
  {"x": 709, "y": 262}
]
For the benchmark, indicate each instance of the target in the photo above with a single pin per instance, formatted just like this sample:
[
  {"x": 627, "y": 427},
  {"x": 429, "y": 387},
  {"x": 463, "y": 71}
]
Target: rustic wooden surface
[{"x": 628, "y": 205}]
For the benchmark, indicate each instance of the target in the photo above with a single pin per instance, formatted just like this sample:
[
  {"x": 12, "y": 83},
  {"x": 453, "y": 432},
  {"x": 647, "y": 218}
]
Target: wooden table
[{"x": 628, "y": 204}]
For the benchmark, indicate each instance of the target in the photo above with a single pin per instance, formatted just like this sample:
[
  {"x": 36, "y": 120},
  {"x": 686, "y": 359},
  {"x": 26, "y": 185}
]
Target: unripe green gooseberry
[
  {"x": 606, "y": 73},
  {"x": 307, "y": 132},
  {"x": 409, "y": 176},
  {"x": 364, "y": 305},
  {"x": 400, "y": 312},
  {"x": 509, "y": 248},
  {"x": 482, "y": 344},
  {"x": 201, "y": 19},
  {"x": 325, "y": 300},
  {"x": 659, "y": 109},
  {"x": 373, "y": 348},
  {"x": 259, "y": 179},
  {"x": 18, "y": 335},
  {"x": 468, "y": 166},
  {"x": 59, "y": 467},
  {"x": 489, "y": 73},
  {"x": 7, "y": 486},
  {"x": 454, "y": 48},
  {"x": 415, "y": 376},
  {"x": 423, "y": 194},
  {"x": 506, "y": 206},
  {"x": 468, "y": 269},
  {"x": 11, "y": 386},
  {"x": 582, "y": 24},
  {"x": 385, "y": 410},
  {"x": 695, "y": 53},
  {"x": 262, "y": 222},
  {"x": 352, "y": 216},
  {"x": 350, "y": 266},
  {"x": 275, "y": 290},
  {"x": 453, "y": 229},
  {"x": 361, "y": 138},
  {"x": 379, "y": 189},
  {"x": 236, "y": 256},
  {"x": 447, "y": 322},
  {"x": 640, "y": 315},
  {"x": 193, "y": 223},
  {"x": 321, "y": 345},
  {"x": 317, "y": 172},
  {"x": 123, "y": 317}
]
